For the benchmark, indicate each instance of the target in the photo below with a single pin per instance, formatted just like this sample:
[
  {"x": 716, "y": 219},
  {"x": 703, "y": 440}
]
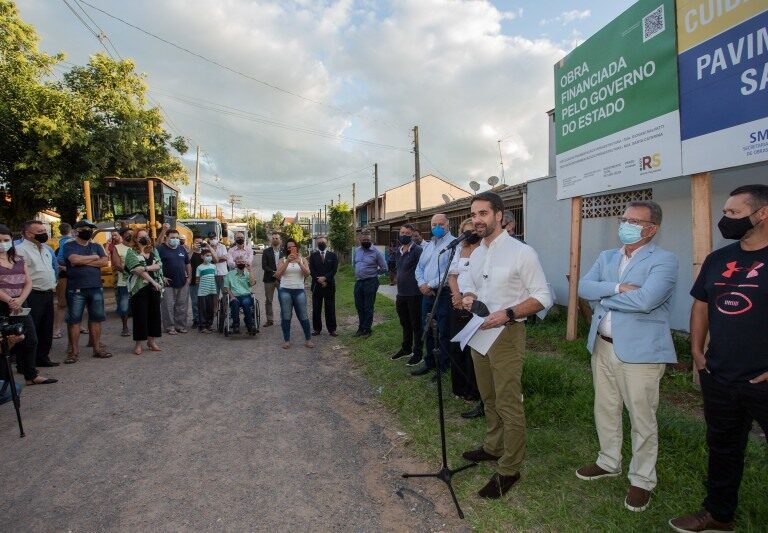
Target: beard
[{"x": 484, "y": 230}]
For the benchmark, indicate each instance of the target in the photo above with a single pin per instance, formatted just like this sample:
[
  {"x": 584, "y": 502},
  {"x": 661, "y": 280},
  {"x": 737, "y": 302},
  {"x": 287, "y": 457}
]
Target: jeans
[
  {"x": 78, "y": 299},
  {"x": 246, "y": 303},
  {"x": 442, "y": 314},
  {"x": 193, "y": 299},
  {"x": 291, "y": 299},
  {"x": 729, "y": 410},
  {"x": 365, "y": 298},
  {"x": 122, "y": 301},
  {"x": 409, "y": 312}
]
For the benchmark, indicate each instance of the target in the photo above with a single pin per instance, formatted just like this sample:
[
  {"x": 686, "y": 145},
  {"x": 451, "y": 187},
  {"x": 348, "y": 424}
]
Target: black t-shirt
[
  {"x": 734, "y": 283},
  {"x": 196, "y": 260}
]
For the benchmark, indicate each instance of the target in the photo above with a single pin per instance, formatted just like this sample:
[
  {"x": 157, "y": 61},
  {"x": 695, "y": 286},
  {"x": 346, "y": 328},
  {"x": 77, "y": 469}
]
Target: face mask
[
  {"x": 197, "y": 248},
  {"x": 240, "y": 266},
  {"x": 41, "y": 237},
  {"x": 321, "y": 246},
  {"x": 5, "y": 246},
  {"x": 214, "y": 242},
  {"x": 85, "y": 234},
  {"x": 417, "y": 240},
  {"x": 240, "y": 241},
  {"x": 735, "y": 228},
  {"x": 438, "y": 231},
  {"x": 405, "y": 240},
  {"x": 127, "y": 239},
  {"x": 630, "y": 233},
  {"x": 366, "y": 244},
  {"x": 144, "y": 241},
  {"x": 473, "y": 239},
  {"x": 208, "y": 259},
  {"x": 174, "y": 242}
]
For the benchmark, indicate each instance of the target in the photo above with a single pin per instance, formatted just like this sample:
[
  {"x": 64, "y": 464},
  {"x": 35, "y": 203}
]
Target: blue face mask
[
  {"x": 438, "y": 231},
  {"x": 630, "y": 233},
  {"x": 405, "y": 240},
  {"x": 174, "y": 242}
]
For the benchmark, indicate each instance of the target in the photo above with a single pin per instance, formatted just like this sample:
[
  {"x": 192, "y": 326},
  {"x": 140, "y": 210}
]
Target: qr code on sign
[{"x": 653, "y": 23}]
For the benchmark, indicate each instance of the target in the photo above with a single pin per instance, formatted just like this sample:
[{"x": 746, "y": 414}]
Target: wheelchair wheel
[
  {"x": 222, "y": 315},
  {"x": 256, "y": 315}
]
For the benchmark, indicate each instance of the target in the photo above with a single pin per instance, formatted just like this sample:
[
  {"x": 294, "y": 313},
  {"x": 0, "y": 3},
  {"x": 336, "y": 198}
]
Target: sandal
[
  {"x": 46, "y": 381},
  {"x": 57, "y": 335},
  {"x": 71, "y": 358},
  {"x": 286, "y": 345},
  {"x": 137, "y": 350},
  {"x": 154, "y": 348},
  {"x": 171, "y": 332},
  {"x": 309, "y": 344},
  {"x": 102, "y": 355}
]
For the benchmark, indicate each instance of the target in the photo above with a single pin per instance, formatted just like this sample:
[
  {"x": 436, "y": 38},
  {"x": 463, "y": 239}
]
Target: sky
[{"x": 308, "y": 95}]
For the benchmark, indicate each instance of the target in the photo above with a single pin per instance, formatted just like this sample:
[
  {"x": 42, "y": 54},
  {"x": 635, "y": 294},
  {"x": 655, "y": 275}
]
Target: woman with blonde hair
[
  {"x": 145, "y": 287},
  {"x": 463, "y": 380}
]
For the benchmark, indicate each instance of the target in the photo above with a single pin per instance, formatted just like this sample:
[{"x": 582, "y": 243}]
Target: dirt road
[{"x": 212, "y": 433}]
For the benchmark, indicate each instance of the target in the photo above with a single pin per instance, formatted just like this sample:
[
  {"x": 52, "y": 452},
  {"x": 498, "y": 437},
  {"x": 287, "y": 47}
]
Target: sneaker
[
  {"x": 593, "y": 472},
  {"x": 269, "y": 323},
  {"x": 637, "y": 499},
  {"x": 479, "y": 455},
  {"x": 498, "y": 486},
  {"x": 400, "y": 353},
  {"x": 415, "y": 360},
  {"x": 125, "y": 333},
  {"x": 699, "y": 522},
  {"x": 475, "y": 412}
]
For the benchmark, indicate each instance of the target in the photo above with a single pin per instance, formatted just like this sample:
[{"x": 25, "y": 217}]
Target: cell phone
[
  {"x": 24, "y": 311},
  {"x": 479, "y": 308}
]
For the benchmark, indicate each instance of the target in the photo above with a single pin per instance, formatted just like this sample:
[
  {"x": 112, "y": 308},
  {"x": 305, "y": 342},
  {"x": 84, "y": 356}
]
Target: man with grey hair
[
  {"x": 631, "y": 343},
  {"x": 509, "y": 224},
  {"x": 369, "y": 263}
]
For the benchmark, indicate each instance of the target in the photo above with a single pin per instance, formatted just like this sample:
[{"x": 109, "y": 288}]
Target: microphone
[{"x": 455, "y": 242}]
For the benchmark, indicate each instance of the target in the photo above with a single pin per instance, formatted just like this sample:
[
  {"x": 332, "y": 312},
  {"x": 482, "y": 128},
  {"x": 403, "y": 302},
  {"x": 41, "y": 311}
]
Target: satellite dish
[
  {"x": 475, "y": 186},
  {"x": 493, "y": 180},
  {"x": 446, "y": 199}
]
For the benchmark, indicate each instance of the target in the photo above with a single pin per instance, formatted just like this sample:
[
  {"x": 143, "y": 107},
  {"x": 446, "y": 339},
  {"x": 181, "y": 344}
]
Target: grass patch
[{"x": 558, "y": 392}]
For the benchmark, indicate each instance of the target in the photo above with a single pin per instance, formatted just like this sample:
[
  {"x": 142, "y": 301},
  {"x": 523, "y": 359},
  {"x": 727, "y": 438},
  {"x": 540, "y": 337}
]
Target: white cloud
[
  {"x": 381, "y": 68},
  {"x": 566, "y": 17}
]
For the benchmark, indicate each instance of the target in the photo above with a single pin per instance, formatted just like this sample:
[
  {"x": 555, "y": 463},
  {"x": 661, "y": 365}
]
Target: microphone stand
[
  {"x": 11, "y": 382},
  {"x": 445, "y": 473}
]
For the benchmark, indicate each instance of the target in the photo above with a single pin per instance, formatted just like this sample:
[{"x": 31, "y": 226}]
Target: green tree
[
  {"x": 277, "y": 221},
  {"x": 295, "y": 232},
  {"x": 340, "y": 231},
  {"x": 182, "y": 209}
]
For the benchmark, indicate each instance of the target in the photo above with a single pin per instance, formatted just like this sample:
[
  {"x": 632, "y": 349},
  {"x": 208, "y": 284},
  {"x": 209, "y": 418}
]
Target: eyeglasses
[{"x": 635, "y": 221}]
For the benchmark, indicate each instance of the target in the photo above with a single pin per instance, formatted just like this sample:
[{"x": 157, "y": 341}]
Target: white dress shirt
[
  {"x": 505, "y": 273},
  {"x": 604, "y": 327},
  {"x": 39, "y": 263}
]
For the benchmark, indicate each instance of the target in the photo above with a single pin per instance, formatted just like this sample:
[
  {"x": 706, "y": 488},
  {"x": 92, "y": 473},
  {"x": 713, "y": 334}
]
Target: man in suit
[
  {"x": 631, "y": 343},
  {"x": 269, "y": 259},
  {"x": 322, "y": 268}
]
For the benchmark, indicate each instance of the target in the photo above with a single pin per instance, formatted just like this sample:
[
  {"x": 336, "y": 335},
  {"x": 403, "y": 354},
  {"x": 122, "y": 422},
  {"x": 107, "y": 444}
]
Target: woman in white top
[
  {"x": 463, "y": 380},
  {"x": 291, "y": 271}
]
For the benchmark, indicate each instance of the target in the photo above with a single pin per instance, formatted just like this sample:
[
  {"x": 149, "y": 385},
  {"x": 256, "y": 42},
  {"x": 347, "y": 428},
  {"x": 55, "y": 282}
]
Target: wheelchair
[{"x": 224, "y": 316}]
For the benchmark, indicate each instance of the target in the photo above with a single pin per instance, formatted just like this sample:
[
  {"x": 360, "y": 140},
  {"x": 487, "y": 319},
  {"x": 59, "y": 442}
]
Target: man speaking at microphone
[{"x": 506, "y": 276}]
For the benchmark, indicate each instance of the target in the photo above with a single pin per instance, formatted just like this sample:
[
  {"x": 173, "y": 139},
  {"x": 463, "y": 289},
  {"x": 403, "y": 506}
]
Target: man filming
[{"x": 506, "y": 276}]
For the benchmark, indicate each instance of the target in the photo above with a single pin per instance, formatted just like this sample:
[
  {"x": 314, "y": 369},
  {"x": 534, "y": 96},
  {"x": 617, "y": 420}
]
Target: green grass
[{"x": 561, "y": 437}]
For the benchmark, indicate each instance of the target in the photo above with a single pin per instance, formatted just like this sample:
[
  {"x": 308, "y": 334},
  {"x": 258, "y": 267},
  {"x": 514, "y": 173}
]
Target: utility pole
[
  {"x": 354, "y": 210},
  {"x": 501, "y": 162},
  {"x": 376, "y": 191},
  {"x": 417, "y": 181},
  {"x": 197, "y": 183},
  {"x": 233, "y": 199},
  {"x": 339, "y": 199}
]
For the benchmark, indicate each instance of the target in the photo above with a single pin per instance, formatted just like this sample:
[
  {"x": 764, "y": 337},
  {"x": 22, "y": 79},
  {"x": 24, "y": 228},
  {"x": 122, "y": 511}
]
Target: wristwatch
[{"x": 510, "y": 313}]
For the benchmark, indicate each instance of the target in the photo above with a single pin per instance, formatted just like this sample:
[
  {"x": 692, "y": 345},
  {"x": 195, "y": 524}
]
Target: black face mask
[
  {"x": 321, "y": 246},
  {"x": 735, "y": 228},
  {"x": 127, "y": 239},
  {"x": 41, "y": 237},
  {"x": 85, "y": 234},
  {"x": 405, "y": 240},
  {"x": 144, "y": 241},
  {"x": 239, "y": 241},
  {"x": 473, "y": 239},
  {"x": 241, "y": 266},
  {"x": 366, "y": 244}
]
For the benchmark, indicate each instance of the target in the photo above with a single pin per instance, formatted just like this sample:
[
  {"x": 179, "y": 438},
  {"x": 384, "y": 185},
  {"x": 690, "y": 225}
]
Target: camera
[{"x": 8, "y": 329}]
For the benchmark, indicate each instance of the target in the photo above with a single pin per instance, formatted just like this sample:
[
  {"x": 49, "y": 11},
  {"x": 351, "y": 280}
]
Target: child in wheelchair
[{"x": 237, "y": 290}]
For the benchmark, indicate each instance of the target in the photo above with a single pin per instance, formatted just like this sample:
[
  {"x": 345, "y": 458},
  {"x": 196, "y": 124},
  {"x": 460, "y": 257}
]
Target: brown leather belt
[{"x": 606, "y": 339}]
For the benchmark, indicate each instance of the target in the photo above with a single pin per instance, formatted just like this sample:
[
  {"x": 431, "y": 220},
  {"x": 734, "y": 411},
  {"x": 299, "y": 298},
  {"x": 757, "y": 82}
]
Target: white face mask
[
  {"x": 5, "y": 246},
  {"x": 214, "y": 242}
]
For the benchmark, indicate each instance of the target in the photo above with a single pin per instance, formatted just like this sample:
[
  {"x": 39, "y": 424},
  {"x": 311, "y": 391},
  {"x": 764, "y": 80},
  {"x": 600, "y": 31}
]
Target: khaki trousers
[
  {"x": 269, "y": 294},
  {"x": 636, "y": 387},
  {"x": 499, "y": 379}
]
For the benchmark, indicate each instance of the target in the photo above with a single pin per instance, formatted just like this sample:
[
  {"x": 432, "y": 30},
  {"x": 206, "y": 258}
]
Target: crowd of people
[{"x": 496, "y": 275}]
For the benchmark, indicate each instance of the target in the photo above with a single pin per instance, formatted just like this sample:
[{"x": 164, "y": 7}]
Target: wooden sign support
[
  {"x": 701, "y": 214},
  {"x": 573, "y": 270}
]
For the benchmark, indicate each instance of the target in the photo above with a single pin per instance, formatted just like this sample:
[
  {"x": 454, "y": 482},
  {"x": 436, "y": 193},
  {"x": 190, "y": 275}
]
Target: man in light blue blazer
[{"x": 630, "y": 340}]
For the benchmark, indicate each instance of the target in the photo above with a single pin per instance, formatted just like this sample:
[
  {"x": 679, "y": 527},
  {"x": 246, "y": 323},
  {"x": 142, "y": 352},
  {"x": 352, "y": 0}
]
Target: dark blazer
[
  {"x": 268, "y": 264},
  {"x": 318, "y": 268}
]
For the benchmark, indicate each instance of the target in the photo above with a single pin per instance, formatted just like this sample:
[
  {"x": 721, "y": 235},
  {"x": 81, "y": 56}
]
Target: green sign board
[{"x": 616, "y": 104}]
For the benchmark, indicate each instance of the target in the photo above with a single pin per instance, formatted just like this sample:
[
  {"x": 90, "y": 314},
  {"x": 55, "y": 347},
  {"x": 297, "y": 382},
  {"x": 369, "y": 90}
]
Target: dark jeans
[
  {"x": 365, "y": 298},
  {"x": 463, "y": 382},
  {"x": 324, "y": 298},
  {"x": 441, "y": 315},
  {"x": 206, "y": 307},
  {"x": 26, "y": 350},
  {"x": 41, "y": 305},
  {"x": 193, "y": 299},
  {"x": 246, "y": 303},
  {"x": 145, "y": 308},
  {"x": 729, "y": 410},
  {"x": 409, "y": 313}
]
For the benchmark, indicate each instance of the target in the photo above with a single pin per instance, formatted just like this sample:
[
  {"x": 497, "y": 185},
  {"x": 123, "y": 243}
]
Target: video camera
[{"x": 8, "y": 329}]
